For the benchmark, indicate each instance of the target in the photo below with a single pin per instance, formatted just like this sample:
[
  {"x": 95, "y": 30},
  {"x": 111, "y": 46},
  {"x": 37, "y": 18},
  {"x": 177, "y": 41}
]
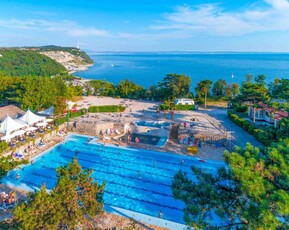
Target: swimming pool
[
  {"x": 136, "y": 179},
  {"x": 156, "y": 124}
]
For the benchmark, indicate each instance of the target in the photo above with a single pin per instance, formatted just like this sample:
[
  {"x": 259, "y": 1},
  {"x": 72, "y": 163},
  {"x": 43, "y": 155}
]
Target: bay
[{"x": 148, "y": 69}]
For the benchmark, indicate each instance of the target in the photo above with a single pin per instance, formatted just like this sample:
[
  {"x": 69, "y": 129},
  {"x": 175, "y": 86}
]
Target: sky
[{"x": 148, "y": 25}]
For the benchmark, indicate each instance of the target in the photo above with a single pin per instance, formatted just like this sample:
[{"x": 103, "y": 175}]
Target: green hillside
[{"x": 20, "y": 62}]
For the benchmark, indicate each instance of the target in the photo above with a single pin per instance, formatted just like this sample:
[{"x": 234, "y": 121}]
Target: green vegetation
[
  {"x": 36, "y": 92},
  {"x": 174, "y": 86},
  {"x": 68, "y": 116},
  {"x": 16, "y": 62},
  {"x": 7, "y": 164},
  {"x": 71, "y": 203},
  {"x": 106, "y": 109},
  {"x": 252, "y": 194},
  {"x": 3, "y": 146},
  {"x": 168, "y": 106}
]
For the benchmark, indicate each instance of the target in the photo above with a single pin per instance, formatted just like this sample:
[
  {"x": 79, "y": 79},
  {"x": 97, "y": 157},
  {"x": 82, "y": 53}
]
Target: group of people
[
  {"x": 136, "y": 139},
  {"x": 9, "y": 198}
]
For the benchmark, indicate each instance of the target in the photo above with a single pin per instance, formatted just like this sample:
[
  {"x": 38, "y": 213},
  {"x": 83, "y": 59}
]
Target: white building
[
  {"x": 184, "y": 101},
  {"x": 266, "y": 113}
]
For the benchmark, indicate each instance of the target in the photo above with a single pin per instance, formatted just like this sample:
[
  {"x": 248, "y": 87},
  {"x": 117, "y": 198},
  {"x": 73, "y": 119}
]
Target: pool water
[
  {"x": 145, "y": 139},
  {"x": 156, "y": 124},
  {"x": 136, "y": 179}
]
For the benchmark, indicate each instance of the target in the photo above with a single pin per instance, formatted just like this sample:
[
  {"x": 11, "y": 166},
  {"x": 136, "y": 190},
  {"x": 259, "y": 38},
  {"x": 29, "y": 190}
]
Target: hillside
[
  {"x": 71, "y": 62},
  {"x": 22, "y": 62},
  {"x": 72, "y": 50},
  {"x": 73, "y": 59},
  {"x": 42, "y": 61}
]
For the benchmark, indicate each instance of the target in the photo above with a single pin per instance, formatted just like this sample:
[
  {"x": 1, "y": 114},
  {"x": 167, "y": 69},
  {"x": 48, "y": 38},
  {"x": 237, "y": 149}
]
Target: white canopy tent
[
  {"x": 9, "y": 125},
  {"x": 41, "y": 124},
  {"x": 18, "y": 133},
  {"x": 7, "y": 137},
  {"x": 30, "y": 129},
  {"x": 47, "y": 112},
  {"x": 31, "y": 118}
]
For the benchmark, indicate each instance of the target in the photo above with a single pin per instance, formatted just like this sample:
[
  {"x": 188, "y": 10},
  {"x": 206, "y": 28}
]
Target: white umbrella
[
  {"x": 41, "y": 124},
  {"x": 30, "y": 129},
  {"x": 18, "y": 132},
  {"x": 8, "y": 137},
  {"x": 49, "y": 120}
]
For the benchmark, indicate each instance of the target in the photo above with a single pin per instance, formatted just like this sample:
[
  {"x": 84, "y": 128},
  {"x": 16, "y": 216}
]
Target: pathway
[{"x": 238, "y": 134}]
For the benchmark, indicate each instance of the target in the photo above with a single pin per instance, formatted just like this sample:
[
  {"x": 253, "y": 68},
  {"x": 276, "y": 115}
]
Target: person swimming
[{"x": 18, "y": 176}]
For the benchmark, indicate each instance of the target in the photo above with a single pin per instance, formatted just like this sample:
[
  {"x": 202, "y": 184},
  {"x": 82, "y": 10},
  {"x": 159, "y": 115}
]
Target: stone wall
[{"x": 93, "y": 128}]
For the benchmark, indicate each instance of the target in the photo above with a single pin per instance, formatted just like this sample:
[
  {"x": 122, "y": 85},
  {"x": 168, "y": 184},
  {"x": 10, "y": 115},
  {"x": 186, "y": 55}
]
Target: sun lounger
[
  {"x": 186, "y": 140},
  {"x": 59, "y": 134},
  {"x": 117, "y": 132},
  {"x": 18, "y": 155},
  {"x": 106, "y": 138},
  {"x": 40, "y": 144}
]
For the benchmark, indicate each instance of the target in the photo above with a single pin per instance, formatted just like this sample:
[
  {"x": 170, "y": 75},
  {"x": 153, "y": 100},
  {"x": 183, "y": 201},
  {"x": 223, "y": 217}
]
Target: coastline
[
  {"x": 79, "y": 68},
  {"x": 72, "y": 63}
]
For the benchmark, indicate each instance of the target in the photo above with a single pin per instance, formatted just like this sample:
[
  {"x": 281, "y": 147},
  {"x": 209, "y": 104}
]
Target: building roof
[
  {"x": 265, "y": 106},
  {"x": 47, "y": 112},
  {"x": 282, "y": 113},
  {"x": 11, "y": 110},
  {"x": 279, "y": 114}
]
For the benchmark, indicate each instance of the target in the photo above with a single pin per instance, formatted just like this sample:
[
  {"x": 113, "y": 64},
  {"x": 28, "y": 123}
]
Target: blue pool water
[
  {"x": 136, "y": 179},
  {"x": 157, "y": 124}
]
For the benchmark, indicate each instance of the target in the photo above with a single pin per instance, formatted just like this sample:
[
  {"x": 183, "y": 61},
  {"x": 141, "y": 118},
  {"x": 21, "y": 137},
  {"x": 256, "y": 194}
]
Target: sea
[{"x": 148, "y": 69}]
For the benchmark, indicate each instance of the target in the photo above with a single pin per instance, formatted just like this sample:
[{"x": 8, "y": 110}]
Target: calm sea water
[{"x": 150, "y": 68}]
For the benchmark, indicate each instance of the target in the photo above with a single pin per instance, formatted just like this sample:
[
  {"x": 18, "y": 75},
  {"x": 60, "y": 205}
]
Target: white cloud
[
  {"x": 211, "y": 19},
  {"x": 70, "y": 28}
]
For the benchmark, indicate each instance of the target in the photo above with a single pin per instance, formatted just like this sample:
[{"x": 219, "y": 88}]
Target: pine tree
[{"x": 74, "y": 199}]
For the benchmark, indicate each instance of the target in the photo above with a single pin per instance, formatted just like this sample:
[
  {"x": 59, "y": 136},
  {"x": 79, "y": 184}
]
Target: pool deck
[
  {"x": 137, "y": 110},
  {"x": 146, "y": 219}
]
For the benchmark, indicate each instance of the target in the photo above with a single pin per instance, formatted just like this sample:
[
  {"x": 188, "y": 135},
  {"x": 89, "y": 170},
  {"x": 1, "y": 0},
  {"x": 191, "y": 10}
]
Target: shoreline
[{"x": 80, "y": 68}]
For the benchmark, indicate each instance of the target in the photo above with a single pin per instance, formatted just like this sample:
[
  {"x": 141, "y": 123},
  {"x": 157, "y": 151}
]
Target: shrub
[
  {"x": 265, "y": 137},
  {"x": 241, "y": 108},
  {"x": 3, "y": 146},
  {"x": 167, "y": 106},
  {"x": 184, "y": 107},
  {"x": 106, "y": 109},
  {"x": 164, "y": 106}
]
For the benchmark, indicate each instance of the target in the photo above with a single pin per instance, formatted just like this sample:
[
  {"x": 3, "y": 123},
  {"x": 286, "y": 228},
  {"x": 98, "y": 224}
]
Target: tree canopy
[
  {"x": 252, "y": 194},
  {"x": 203, "y": 87},
  {"x": 15, "y": 62},
  {"x": 74, "y": 199},
  {"x": 219, "y": 88},
  {"x": 35, "y": 92},
  {"x": 253, "y": 92},
  {"x": 174, "y": 86},
  {"x": 279, "y": 89}
]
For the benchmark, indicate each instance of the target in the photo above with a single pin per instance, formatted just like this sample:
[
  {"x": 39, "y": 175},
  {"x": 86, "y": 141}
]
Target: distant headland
[{"x": 58, "y": 59}]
